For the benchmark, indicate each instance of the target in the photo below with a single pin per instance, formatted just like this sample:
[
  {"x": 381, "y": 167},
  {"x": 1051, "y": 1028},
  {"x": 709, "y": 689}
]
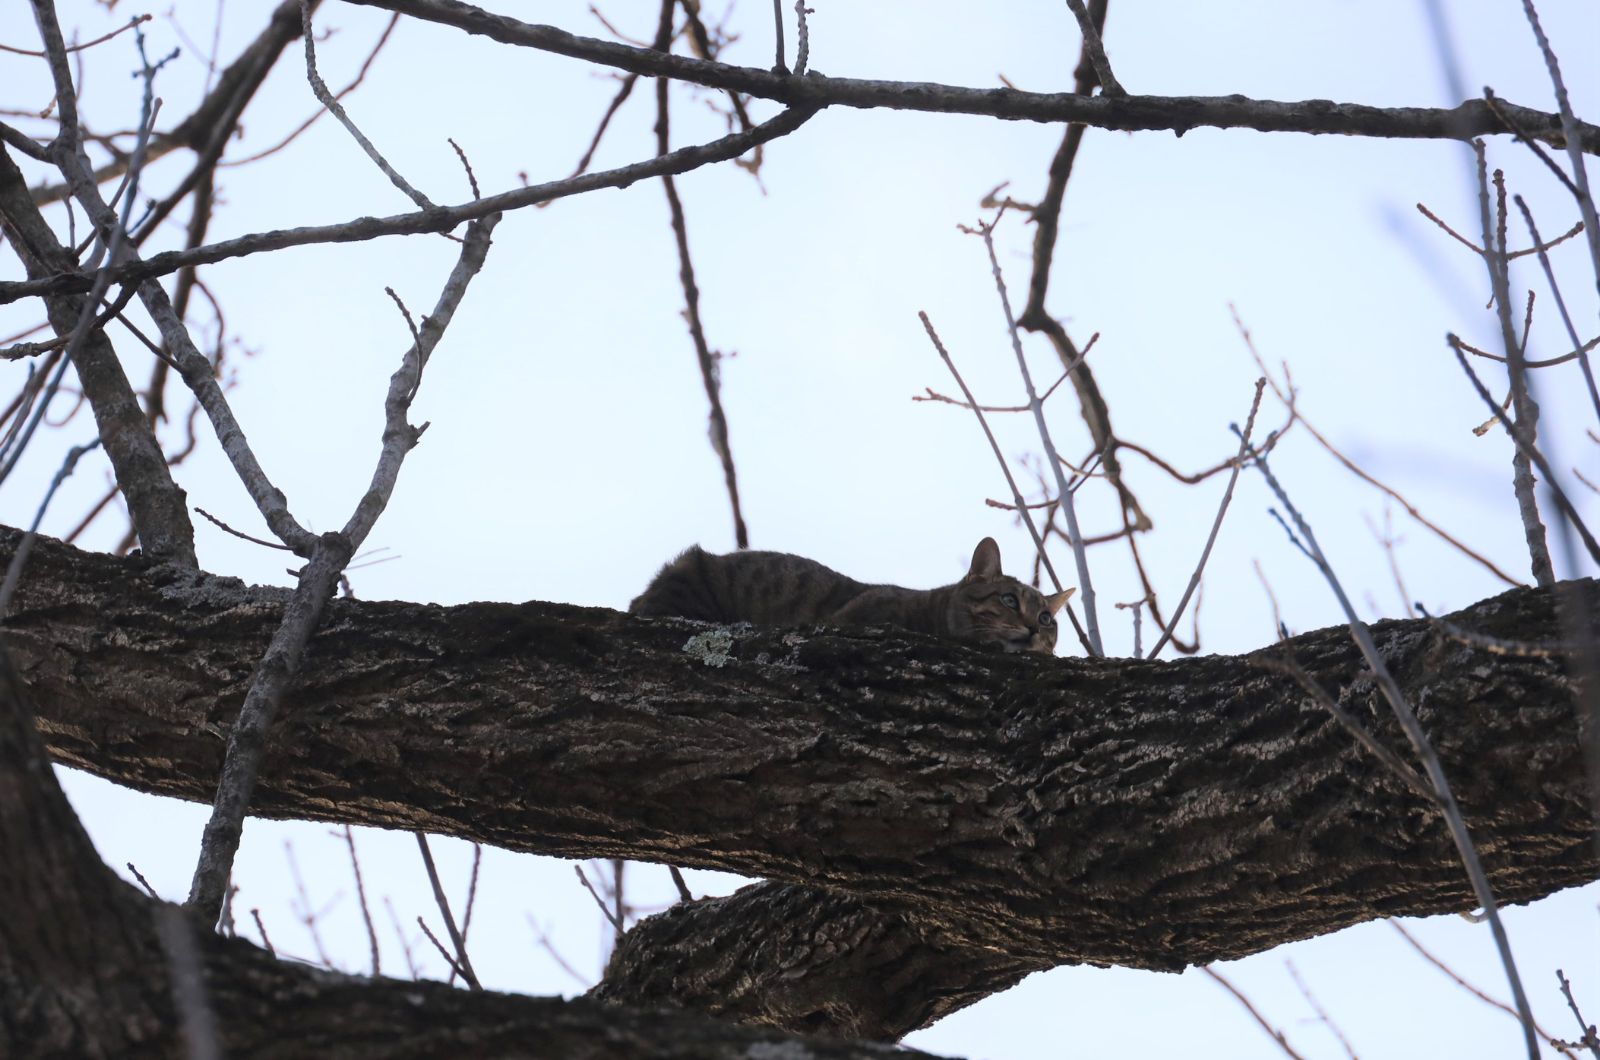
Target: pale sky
[{"x": 567, "y": 457}]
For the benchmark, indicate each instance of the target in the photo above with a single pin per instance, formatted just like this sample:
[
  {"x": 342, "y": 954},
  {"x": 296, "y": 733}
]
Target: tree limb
[
  {"x": 1063, "y": 810},
  {"x": 156, "y": 503},
  {"x": 443, "y": 219},
  {"x": 89, "y": 967},
  {"x": 1176, "y": 113}
]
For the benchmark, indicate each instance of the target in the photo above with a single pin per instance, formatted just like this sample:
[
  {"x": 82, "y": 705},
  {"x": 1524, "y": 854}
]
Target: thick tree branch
[
  {"x": 1137, "y": 813},
  {"x": 88, "y": 968},
  {"x": 1176, "y": 113},
  {"x": 808, "y": 961}
]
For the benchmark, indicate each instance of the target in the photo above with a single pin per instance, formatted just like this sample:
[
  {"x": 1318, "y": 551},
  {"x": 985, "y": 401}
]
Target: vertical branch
[
  {"x": 709, "y": 374},
  {"x": 461, "y": 963},
  {"x": 196, "y": 369},
  {"x": 1046, "y": 217},
  {"x": 778, "y": 65},
  {"x": 155, "y": 503},
  {"x": 1574, "y": 143},
  {"x": 317, "y": 581},
  {"x": 361, "y": 896},
  {"x": 1526, "y": 427},
  {"x": 802, "y": 43},
  {"x": 1095, "y": 49},
  {"x": 1068, "y": 502},
  {"x": 1578, "y": 346},
  {"x": 247, "y": 737}
]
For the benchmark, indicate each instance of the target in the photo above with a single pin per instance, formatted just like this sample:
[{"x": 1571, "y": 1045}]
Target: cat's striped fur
[{"x": 777, "y": 589}]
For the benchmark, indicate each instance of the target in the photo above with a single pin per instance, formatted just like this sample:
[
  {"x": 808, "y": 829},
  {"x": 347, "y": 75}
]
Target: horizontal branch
[
  {"x": 1064, "y": 810},
  {"x": 1177, "y": 114},
  {"x": 442, "y": 219},
  {"x": 91, "y": 967}
]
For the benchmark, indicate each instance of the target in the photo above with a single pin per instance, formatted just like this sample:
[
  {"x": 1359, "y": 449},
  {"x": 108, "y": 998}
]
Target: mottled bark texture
[
  {"x": 88, "y": 969},
  {"x": 806, "y": 960},
  {"x": 1012, "y": 811}
]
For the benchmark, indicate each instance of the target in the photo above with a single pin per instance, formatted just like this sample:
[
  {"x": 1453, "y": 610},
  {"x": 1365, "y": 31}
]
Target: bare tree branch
[
  {"x": 443, "y": 219},
  {"x": 1175, "y": 113}
]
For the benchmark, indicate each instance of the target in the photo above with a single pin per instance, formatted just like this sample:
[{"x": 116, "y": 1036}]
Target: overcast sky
[{"x": 567, "y": 456}]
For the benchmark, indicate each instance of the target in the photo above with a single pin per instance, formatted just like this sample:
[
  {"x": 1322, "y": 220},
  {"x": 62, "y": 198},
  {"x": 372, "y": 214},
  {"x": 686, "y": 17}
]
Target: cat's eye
[
  {"x": 1046, "y": 620},
  {"x": 1010, "y": 600}
]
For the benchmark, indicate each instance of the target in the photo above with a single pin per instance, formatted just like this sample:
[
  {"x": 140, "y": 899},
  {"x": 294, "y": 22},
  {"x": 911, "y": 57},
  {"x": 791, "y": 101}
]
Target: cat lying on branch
[{"x": 777, "y": 589}]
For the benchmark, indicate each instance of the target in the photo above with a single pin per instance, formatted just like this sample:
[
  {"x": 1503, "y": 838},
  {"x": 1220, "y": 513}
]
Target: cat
[{"x": 777, "y": 589}]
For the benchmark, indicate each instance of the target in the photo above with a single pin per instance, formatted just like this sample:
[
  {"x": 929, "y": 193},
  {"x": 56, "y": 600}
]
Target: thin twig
[
  {"x": 20, "y": 558},
  {"x": 1515, "y": 128},
  {"x": 555, "y": 955},
  {"x": 707, "y": 360},
  {"x": 455, "y": 969},
  {"x": 472, "y": 178},
  {"x": 472, "y": 897},
  {"x": 1547, "y": 362},
  {"x": 1068, "y": 506},
  {"x": 1487, "y": 999},
  {"x": 239, "y": 533},
  {"x": 778, "y": 66},
  {"x": 802, "y": 46},
  {"x": 361, "y": 896},
  {"x": 1289, "y": 401},
  {"x": 1580, "y": 350},
  {"x": 930, "y": 394},
  {"x": 405, "y": 943},
  {"x": 1305, "y": 992},
  {"x": 137, "y": 20},
  {"x": 605, "y": 911},
  {"x": 329, "y": 100},
  {"x": 151, "y": 891},
  {"x": 462, "y": 963},
  {"x": 262, "y": 929},
  {"x": 1590, "y": 1038},
  {"x": 1550, "y": 482},
  {"x": 1216, "y": 524},
  {"x": 1571, "y": 138},
  {"x": 1272, "y": 1032},
  {"x": 1096, "y": 50},
  {"x": 355, "y": 83},
  {"x": 309, "y": 915},
  {"x": 679, "y": 882}
]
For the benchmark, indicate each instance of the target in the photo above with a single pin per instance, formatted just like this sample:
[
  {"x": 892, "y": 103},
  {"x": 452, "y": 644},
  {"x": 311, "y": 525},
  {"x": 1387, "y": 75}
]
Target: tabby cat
[{"x": 777, "y": 589}]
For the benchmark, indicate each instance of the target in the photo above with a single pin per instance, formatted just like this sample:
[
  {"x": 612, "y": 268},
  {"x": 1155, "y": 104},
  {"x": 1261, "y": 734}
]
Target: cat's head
[{"x": 995, "y": 609}]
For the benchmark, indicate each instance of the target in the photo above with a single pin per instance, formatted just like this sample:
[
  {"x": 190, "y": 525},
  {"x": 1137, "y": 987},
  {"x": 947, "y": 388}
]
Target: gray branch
[
  {"x": 443, "y": 219},
  {"x": 1175, "y": 113}
]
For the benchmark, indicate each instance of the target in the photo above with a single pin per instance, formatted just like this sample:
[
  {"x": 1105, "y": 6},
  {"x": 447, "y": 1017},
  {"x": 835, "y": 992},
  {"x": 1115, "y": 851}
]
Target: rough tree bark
[
  {"x": 90, "y": 968},
  {"x": 944, "y": 812}
]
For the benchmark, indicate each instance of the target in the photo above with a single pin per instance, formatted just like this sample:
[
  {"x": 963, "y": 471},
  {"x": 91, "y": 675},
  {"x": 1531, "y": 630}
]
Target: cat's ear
[
  {"x": 985, "y": 561},
  {"x": 1059, "y": 600}
]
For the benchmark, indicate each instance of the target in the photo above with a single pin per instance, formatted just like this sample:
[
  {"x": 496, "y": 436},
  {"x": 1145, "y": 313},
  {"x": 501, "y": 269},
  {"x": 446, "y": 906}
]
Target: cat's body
[{"x": 777, "y": 589}]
